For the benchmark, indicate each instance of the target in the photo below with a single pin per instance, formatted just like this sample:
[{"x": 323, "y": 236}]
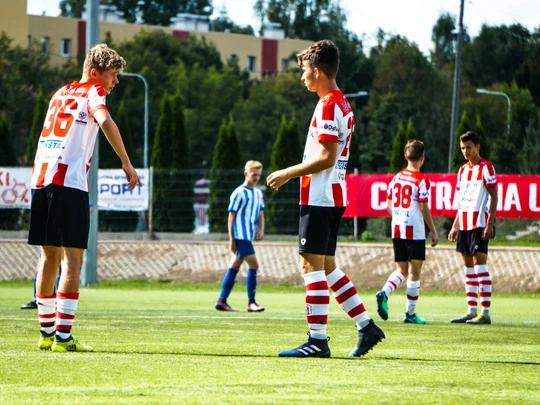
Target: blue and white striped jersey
[{"x": 247, "y": 203}]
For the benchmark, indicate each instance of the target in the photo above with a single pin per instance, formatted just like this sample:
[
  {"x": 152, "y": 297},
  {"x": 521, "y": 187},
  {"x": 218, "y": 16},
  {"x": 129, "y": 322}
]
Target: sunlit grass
[{"x": 160, "y": 344}]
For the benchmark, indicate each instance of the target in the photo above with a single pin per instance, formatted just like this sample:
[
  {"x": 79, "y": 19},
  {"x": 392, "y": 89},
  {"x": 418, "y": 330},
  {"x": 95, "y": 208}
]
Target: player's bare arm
[
  {"x": 488, "y": 230},
  {"x": 324, "y": 160},
  {"x": 426, "y": 213},
  {"x": 260, "y": 225},
  {"x": 111, "y": 131},
  {"x": 230, "y": 227},
  {"x": 452, "y": 235}
]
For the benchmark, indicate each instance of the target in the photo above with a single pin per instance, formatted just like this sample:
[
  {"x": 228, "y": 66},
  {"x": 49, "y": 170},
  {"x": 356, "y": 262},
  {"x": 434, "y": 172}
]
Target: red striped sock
[
  {"x": 413, "y": 291},
  {"x": 317, "y": 303},
  {"x": 347, "y": 297},
  {"x": 484, "y": 281},
  {"x": 66, "y": 306},
  {"x": 471, "y": 289},
  {"x": 393, "y": 282},
  {"x": 46, "y": 314}
]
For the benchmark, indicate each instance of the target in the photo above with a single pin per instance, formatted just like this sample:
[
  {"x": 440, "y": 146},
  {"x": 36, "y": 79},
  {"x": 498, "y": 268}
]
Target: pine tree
[
  {"x": 484, "y": 146},
  {"x": 35, "y": 131},
  {"x": 116, "y": 221},
  {"x": 9, "y": 217},
  {"x": 282, "y": 204},
  {"x": 162, "y": 159},
  {"x": 224, "y": 176},
  {"x": 7, "y": 153},
  {"x": 457, "y": 156},
  {"x": 182, "y": 214},
  {"x": 410, "y": 133},
  {"x": 397, "y": 160}
]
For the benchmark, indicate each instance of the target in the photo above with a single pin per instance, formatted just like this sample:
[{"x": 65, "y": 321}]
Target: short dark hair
[
  {"x": 414, "y": 150},
  {"x": 323, "y": 55},
  {"x": 470, "y": 136}
]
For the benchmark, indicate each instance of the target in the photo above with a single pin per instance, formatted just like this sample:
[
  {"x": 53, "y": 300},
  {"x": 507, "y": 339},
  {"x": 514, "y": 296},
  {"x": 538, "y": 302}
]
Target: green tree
[
  {"x": 457, "y": 156},
  {"x": 8, "y": 217},
  {"x": 443, "y": 38},
  {"x": 162, "y": 159},
  {"x": 117, "y": 221},
  {"x": 182, "y": 214},
  {"x": 7, "y": 154},
  {"x": 35, "y": 131},
  {"x": 479, "y": 129},
  {"x": 282, "y": 206},
  {"x": 226, "y": 172},
  {"x": 397, "y": 161}
]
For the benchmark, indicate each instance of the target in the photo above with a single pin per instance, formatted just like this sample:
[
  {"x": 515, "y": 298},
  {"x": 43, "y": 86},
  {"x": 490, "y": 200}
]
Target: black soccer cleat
[
  {"x": 30, "y": 305},
  {"x": 368, "y": 337},
  {"x": 312, "y": 348}
]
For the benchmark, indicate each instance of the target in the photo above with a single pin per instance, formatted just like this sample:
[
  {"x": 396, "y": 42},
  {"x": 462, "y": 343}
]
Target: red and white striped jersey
[
  {"x": 68, "y": 136},
  {"x": 332, "y": 121},
  {"x": 472, "y": 184},
  {"x": 406, "y": 191}
]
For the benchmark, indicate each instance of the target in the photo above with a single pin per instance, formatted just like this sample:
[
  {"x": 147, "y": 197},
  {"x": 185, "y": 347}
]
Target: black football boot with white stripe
[{"x": 312, "y": 348}]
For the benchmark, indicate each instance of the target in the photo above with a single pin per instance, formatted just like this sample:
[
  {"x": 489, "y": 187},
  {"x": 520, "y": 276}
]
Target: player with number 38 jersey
[
  {"x": 407, "y": 189},
  {"x": 332, "y": 121},
  {"x": 67, "y": 140}
]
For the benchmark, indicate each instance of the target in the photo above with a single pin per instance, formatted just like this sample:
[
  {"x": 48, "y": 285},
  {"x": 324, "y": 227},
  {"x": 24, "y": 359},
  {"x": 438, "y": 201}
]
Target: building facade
[{"x": 65, "y": 38}]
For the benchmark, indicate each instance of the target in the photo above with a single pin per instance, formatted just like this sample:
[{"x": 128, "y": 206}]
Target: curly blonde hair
[{"x": 103, "y": 58}]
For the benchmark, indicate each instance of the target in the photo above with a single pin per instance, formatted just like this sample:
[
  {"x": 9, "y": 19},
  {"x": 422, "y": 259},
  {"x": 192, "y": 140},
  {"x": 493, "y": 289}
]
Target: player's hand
[
  {"x": 277, "y": 179},
  {"x": 452, "y": 235},
  {"x": 488, "y": 232},
  {"x": 232, "y": 246},
  {"x": 434, "y": 239},
  {"x": 259, "y": 235},
  {"x": 131, "y": 176}
]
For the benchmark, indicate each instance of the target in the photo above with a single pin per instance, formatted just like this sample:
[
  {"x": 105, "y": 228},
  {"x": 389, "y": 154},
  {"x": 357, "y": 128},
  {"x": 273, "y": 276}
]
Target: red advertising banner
[{"x": 519, "y": 195}]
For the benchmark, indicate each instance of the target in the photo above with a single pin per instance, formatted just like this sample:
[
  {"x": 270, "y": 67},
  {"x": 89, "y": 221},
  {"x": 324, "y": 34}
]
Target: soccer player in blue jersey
[{"x": 246, "y": 222}]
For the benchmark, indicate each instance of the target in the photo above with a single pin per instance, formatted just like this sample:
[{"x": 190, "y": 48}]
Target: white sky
[{"x": 413, "y": 19}]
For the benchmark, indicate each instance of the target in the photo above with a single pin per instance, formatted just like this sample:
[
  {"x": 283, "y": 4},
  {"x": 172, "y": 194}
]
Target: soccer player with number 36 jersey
[
  {"x": 407, "y": 203},
  {"x": 322, "y": 204},
  {"x": 473, "y": 227},
  {"x": 59, "y": 216}
]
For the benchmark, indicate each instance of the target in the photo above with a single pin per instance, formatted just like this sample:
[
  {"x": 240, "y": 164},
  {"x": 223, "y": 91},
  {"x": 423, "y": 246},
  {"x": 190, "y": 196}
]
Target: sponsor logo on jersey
[
  {"x": 329, "y": 127},
  {"x": 341, "y": 165},
  {"x": 50, "y": 144},
  {"x": 303, "y": 241}
]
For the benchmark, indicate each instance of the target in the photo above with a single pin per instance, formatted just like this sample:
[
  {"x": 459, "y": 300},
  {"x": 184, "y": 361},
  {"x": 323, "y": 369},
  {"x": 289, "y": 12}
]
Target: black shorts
[
  {"x": 59, "y": 217},
  {"x": 318, "y": 229},
  {"x": 407, "y": 250},
  {"x": 471, "y": 242}
]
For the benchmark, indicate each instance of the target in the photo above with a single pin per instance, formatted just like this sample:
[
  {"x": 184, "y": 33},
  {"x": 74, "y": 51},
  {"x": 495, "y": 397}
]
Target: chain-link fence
[{"x": 180, "y": 202}]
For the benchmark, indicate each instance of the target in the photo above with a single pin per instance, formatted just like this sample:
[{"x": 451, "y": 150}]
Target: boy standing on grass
[
  {"x": 59, "y": 215},
  {"x": 246, "y": 222},
  {"x": 323, "y": 199},
  {"x": 473, "y": 226},
  {"x": 407, "y": 203}
]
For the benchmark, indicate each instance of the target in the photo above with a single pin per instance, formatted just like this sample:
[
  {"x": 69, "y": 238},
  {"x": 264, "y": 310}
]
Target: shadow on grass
[{"x": 264, "y": 356}]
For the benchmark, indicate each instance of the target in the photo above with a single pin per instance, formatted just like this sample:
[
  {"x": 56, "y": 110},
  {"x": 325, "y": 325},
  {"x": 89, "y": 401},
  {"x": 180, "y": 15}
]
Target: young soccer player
[
  {"x": 59, "y": 215},
  {"x": 407, "y": 203},
  {"x": 322, "y": 204},
  {"x": 246, "y": 222},
  {"x": 473, "y": 227}
]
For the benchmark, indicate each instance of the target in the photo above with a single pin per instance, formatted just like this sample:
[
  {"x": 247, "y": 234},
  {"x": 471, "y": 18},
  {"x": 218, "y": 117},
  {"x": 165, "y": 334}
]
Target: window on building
[
  {"x": 45, "y": 45},
  {"x": 251, "y": 63},
  {"x": 284, "y": 64},
  {"x": 233, "y": 59},
  {"x": 65, "y": 47}
]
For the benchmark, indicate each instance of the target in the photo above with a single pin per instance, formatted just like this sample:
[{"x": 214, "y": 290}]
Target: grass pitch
[{"x": 159, "y": 344}]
